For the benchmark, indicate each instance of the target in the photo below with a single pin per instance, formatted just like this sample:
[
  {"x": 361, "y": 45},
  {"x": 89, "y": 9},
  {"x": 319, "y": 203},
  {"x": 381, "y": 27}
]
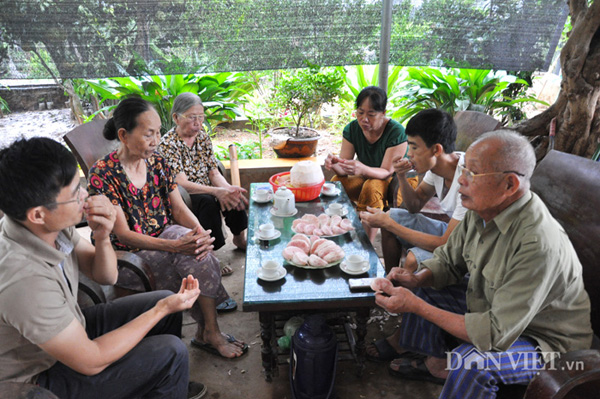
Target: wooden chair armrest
[
  {"x": 131, "y": 261},
  {"x": 92, "y": 289},
  {"x": 185, "y": 196},
  {"x": 575, "y": 374}
]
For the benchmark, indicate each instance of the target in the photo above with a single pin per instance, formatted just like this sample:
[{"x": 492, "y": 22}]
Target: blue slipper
[{"x": 228, "y": 305}]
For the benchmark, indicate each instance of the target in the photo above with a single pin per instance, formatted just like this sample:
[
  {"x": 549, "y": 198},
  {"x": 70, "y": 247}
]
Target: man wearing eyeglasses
[
  {"x": 45, "y": 338},
  {"x": 507, "y": 285}
]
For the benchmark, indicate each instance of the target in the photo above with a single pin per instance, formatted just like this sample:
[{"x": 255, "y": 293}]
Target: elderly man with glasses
[{"x": 507, "y": 286}]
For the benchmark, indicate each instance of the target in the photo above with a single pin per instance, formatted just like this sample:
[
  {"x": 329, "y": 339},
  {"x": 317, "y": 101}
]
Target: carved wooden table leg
[
  {"x": 362, "y": 315},
  {"x": 269, "y": 357}
]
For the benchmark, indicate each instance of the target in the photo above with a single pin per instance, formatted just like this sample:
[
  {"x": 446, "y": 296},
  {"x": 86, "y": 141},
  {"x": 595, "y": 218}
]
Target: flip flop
[
  {"x": 228, "y": 305},
  {"x": 419, "y": 373},
  {"x": 211, "y": 349},
  {"x": 385, "y": 351},
  {"x": 226, "y": 271}
]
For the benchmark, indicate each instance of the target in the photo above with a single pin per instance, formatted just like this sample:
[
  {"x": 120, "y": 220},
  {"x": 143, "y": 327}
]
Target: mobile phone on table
[{"x": 363, "y": 284}]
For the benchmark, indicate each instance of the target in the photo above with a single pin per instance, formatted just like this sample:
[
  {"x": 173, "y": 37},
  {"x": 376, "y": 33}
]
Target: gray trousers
[{"x": 155, "y": 368}]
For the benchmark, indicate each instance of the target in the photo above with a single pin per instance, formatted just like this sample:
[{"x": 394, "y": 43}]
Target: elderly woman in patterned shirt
[
  {"x": 154, "y": 222},
  {"x": 189, "y": 152}
]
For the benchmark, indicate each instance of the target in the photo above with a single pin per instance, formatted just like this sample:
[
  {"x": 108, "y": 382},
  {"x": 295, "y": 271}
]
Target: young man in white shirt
[{"x": 431, "y": 137}]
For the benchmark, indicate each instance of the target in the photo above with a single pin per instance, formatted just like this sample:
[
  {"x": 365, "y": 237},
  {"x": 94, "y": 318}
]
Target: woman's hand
[
  {"x": 331, "y": 160},
  {"x": 100, "y": 214},
  {"x": 231, "y": 197},
  {"x": 353, "y": 167},
  {"x": 197, "y": 242}
]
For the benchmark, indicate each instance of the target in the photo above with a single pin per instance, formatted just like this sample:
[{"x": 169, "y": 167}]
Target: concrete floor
[{"x": 244, "y": 378}]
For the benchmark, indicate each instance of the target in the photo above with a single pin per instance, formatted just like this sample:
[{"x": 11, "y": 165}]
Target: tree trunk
[{"x": 577, "y": 108}]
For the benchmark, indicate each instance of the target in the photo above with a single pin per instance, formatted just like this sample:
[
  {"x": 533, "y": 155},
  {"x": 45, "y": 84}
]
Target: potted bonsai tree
[{"x": 300, "y": 92}]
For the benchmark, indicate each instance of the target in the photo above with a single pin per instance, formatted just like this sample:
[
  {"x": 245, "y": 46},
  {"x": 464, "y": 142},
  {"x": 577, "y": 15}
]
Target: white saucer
[
  {"x": 364, "y": 269},
  {"x": 334, "y": 193},
  {"x": 344, "y": 212},
  {"x": 269, "y": 199},
  {"x": 281, "y": 272},
  {"x": 275, "y": 236},
  {"x": 284, "y": 216}
]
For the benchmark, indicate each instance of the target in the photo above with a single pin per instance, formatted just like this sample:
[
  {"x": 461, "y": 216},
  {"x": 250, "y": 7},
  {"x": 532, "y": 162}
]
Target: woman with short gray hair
[{"x": 189, "y": 152}]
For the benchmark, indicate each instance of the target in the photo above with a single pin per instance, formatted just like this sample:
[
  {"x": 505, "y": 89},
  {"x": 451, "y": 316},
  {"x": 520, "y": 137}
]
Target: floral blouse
[
  {"x": 196, "y": 162},
  {"x": 147, "y": 210}
]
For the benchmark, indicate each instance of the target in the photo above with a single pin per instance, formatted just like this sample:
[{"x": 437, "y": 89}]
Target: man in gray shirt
[
  {"x": 507, "y": 284},
  {"x": 130, "y": 347}
]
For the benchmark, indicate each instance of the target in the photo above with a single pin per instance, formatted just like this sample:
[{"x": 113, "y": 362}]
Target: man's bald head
[{"x": 505, "y": 150}]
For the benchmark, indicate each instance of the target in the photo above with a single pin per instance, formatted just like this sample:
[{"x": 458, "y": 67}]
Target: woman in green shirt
[{"x": 376, "y": 141}]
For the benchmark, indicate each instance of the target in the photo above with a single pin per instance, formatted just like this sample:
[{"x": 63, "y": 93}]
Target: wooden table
[{"x": 303, "y": 290}]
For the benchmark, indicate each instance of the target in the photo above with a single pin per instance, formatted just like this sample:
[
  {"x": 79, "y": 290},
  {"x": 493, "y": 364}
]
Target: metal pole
[{"x": 384, "y": 46}]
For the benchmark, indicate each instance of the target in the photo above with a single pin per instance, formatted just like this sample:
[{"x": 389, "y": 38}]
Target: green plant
[
  {"x": 250, "y": 150},
  {"x": 4, "y": 109},
  {"x": 455, "y": 90},
  {"x": 303, "y": 90},
  {"x": 220, "y": 93}
]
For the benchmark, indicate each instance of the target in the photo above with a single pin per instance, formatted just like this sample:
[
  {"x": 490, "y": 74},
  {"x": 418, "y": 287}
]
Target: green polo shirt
[
  {"x": 36, "y": 302},
  {"x": 372, "y": 154},
  {"x": 525, "y": 279}
]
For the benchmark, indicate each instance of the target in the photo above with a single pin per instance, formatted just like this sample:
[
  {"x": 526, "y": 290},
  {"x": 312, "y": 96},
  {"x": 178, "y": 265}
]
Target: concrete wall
[{"x": 28, "y": 98}]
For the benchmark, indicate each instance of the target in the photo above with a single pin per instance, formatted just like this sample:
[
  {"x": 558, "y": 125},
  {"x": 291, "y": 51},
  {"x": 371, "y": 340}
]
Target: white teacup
[
  {"x": 266, "y": 230},
  {"x": 355, "y": 262},
  {"x": 328, "y": 188},
  {"x": 270, "y": 268},
  {"x": 262, "y": 194},
  {"x": 336, "y": 209}
]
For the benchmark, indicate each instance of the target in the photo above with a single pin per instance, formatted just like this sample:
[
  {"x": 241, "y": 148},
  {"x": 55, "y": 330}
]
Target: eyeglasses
[
  {"x": 470, "y": 176},
  {"x": 193, "y": 118},
  {"x": 78, "y": 199}
]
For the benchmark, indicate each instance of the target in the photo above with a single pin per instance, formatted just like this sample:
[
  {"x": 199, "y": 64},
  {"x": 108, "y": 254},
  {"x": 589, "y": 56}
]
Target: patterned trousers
[{"x": 473, "y": 374}]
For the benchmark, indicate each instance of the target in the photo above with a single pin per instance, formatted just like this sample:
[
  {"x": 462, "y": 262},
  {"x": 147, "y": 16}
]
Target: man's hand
[
  {"x": 396, "y": 300},
  {"x": 403, "y": 277},
  {"x": 402, "y": 165},
  {"x": 184, "y": 299},
  {"x": 375, "y": 217},
  {"x": 100, "y": 214}
]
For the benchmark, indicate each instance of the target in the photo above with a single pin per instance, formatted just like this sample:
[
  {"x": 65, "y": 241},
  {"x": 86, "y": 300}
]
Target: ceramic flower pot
[{"x": 287, "y": 146}]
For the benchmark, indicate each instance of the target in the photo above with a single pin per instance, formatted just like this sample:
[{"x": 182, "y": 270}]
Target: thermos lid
[{"x": 315, "y": 333}]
